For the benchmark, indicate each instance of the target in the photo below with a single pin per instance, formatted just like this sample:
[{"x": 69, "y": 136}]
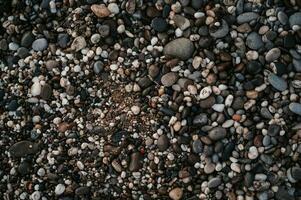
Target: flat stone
[
  {"x": 272, "y": 55},
  {"x": 246, "y": 17},
  {"x": 135, "y": 162},
  {"x": 217, "y": 133},
  {"x": 101, "y": 10},
  {"x": 214, "y": 182},
  {"x": 295, "y": 108},
  {"x": 98, "y": 67},
  {"x": 27, "y": 39},
  {"x": 169, "y": 79},
  {"x": 277, "y": 82},
  {"x": 254, "y": 41},
  {"x": 296, "y": 173},
  {"x": 295, "y": 19},
  {"x": 23, "y": 148},
  {"x": 40, "y": 44},
  {"x": 181, "y": 48},
  {"x": 163, "y": 143}
]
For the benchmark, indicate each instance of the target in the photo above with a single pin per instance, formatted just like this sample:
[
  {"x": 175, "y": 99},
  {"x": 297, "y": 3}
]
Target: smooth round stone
[
  {"x": 101, "y": 10},
  {"x": 13, "y": 105},
  {"x": 113, "y": 8},
  {"x": 282, "y": 17},
  {"x": 163, "y": 143},
  {"x": 274, "y": 130},
  {"x": 23, "y": 148},
  {"x": 59, "y": 189},
  {"x": 209, "y": 168},
  {"x": 104, "y": 30},
  {"x": 95, "y": 38},
  {"x": 176, "y": 194},
  {"x": 235, "y": 167},
  {"x": 169, "y": 79},
  {"x": 277, "y": 82},
  {"x": 295, "y": 108},
  {"x": 205, "y": 92},
  {"x": 153, "y": 71},
  {"x": 217, "y": 133},
  {"x": 218, "y": 107},
  {"x": 62, "y": 40},
  {"x": 78, "y": 43},
  {"x": 40, "y": 44},
  {"x": 295, "y": 19},
  {"x": 214, "y": 182},
  {"x": 219, "y": 32},
  {"x": 135, "y": 162},
  {"x": 297, "y": 65},
  {"x": 27, "y": 39},
  {"x": 197, "y": 146},
  {"x": 254, "y": 41},
  {"x": 22, "y": 52},
  {"x": 254, "y": 67},
  {"x": 296, "y": 173},
  {"x": 246, "y": 17},
  {"x": 135, "y": 110},
  {"x": 3, "y": 45},
  {"x": 36, "y": 89},
  {"x": 266, "y": 140},
  {"x": 181, "y": 22},
  {"x": 159, "y": 24},
  {"x": 253, "y": 153},
  {"x": 181, "y": 48},
  {"x": 36, "y": 195},
  {"x": 208, "y": 102},
  {"x": 272, "y": 55},
  {"x": 13, "y": 46},
  {"x": 98, "y": 67}
]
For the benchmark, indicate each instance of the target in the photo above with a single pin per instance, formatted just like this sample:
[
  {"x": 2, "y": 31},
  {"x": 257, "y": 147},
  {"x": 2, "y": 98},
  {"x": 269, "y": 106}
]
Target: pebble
[
  {"x": 113, "y": 8},
  {"x": 296, "y": 173},
  {"x": 46, "y": 92},
  {"x": 277, "y": 82},
  {"x": 209, "y": 168},
  {"x": 218, "y": 107},
  {"x": 27, "y": 39},
  {"x": 100, "y": 11},
  {"x": 181, "y": 48},
  {"x": 169, "y": 79},
  {"x": 214, "y": 182},
  {"x": 23, "y": 148},
  {"x": 295, "y": 19},
  {"x": 295, "y": 108},
  {"x": 163, "y": 143},
  {"x": 63, "y": 40},
  {"x": 205, "y": 92},
  {"x": 246, "y": 17},
  {"x": 159, "y": 24},
  {"x": 98, "y": 67},
  {"x": 197, "y": 146},
  {"x": 253, "y": 153},
  {"x": 135, "y": 110},
  {"x": 36, "y": 89},
  {"x": 135, "y": 162},
  {"x": 176, "y": 194},
  {"x": 59, "y": 189},
  {"x": 217, "y": 133},
  {"x": 78, "y": 43},
  {"x": 181, "y": 22},
  {"x": 254, "y": 41},
  {"x": 40, "y": 44},
  {"x": 254, "y": 67},
  {"x": 272, "y": 55}
]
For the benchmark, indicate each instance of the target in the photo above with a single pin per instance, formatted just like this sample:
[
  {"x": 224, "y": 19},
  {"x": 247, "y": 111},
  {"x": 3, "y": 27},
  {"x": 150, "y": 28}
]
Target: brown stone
[{"x": 100, "y": 10}]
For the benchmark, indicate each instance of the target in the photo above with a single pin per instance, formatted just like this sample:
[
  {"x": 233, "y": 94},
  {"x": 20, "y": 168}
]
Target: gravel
[{"x": 183, "y": 99}]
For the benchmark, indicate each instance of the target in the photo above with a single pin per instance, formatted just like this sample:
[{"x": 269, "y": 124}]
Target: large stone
[
  {"x": 181, "y": 48},
  {"x": 23, "y": 148}
]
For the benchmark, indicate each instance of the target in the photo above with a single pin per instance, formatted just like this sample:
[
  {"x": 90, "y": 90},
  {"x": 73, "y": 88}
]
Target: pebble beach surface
[{"x": 150, "y": 99}]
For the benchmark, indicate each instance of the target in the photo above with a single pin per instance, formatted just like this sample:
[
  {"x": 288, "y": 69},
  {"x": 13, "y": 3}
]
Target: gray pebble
[
  {"x": 217, "y": 133},
  {"x": 277, "y": 82},
  {"x": 246, "y": 17},
  {"x": 23, "y": 148},
  {"x": 163, "y": 143},
  {"x": 214, "y": 182},
  {"x": 181, "y": 48},
  {"x": 254, "y": 41},
  {"x": 295, "y": 108},
  {"x": 169, "y": 79},
  {"x": 40, "y": 44},
  {"x": 272, "y": 55},
  {"x": 295, "y": 19},
  {"x": 219, "y": 32}
]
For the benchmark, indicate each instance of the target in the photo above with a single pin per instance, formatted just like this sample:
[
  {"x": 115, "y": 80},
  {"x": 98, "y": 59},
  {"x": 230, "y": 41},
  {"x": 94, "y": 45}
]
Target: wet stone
[
  {"x": 169, "y": 79},
  {"x": 217, "y": 133},
  {"x": 159, "y": 24},
  {"x": 295, "y": 108},
  {"x": 40, "y": 44},
  {"x": 214, "y": 182},
  {"x": 163, "y": 143},
  {"x": 277, "y": 82},
  {"x": 254, "y": 41}
]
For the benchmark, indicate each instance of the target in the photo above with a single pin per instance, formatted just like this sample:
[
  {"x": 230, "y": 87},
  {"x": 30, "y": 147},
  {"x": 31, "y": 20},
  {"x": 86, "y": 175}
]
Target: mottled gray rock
[
  {"x": 277, "y": 82},
  {"x": 295, "y": 19},
  {"x": 246, "y": 17},
  {"x": 295, "y": 108},
  {"x": 217, "y": 133},
  {"x": 40, "y": 44},
  {"x": 254, "y": 41},
  {"x": 181, "y": 48},
  {"x": 23, "y": 148}
]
